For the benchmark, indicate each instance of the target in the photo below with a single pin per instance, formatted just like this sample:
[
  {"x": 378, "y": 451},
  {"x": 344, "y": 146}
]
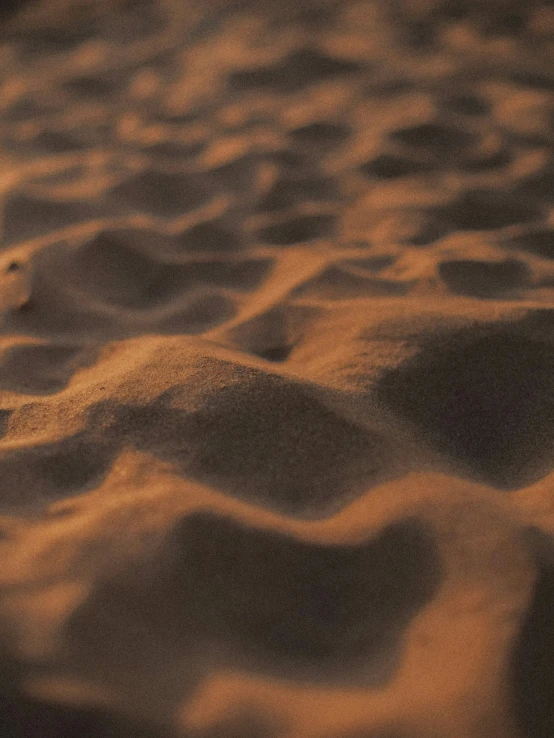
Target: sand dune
[{"x": 276, "y": 369}]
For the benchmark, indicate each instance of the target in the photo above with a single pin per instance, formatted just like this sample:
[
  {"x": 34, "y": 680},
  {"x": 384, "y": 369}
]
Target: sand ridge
[{"x": 276, "y": 360}]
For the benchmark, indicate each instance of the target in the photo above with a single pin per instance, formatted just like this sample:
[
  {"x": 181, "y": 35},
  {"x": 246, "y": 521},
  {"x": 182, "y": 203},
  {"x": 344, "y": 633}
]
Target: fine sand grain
[{"x": 277, "y": 369}]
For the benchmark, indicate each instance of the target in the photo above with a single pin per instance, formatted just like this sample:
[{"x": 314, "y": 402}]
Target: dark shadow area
[
  {"x": 26, "y": 718},
  {"x": 200, "y": 314},
  {"x": 162, "y": 194},
  {"x": 298, "y": 229},
  {"x": 27, "y": 217},
  {"x": 484, "y": 278},
  {"x": 22, "y": 716},
  {"x": 299, "y": 69},
  {"x": 274, "y": 334},
  {"x": 476, "y": 162},
  {"x": 537, "y": 242},
  {"x": 487, "y": 210},
  {"x": 533, "y": 657},
  {"x": 374, "y": 734},
  {"x": 497, "y": 18},
  {"x": 170, "y": 152},
  {"x": 112, "y": 270},
  {"x": 391, "y": 166},
  {"x": 484, "y": 396},
  {"x": 304, "y": 467},
  {"x": 334, "y": 283},
  {"x": 289, "y": 192},
  {"x": 71, "y": 287},
  {"x": 209, "y": 236},
  {"x": 434, "y": 138},
  {"x": 466, "y": 104},
  {"x": 41, "y": 369},
  {"x": 539, "y": 185},
  {"x": 275, "y": 353},
  {"x": 325, "y": 610},
  {"x": 48, "y": 472},
  {"x": 537, "y": 80},
  {"x": 99, "y": 86},
  {"x": 12, "y": 7},
  {"x": 49, "y": 142},
  {"x": 273, "y": 603},
  {"x": 320, "y": 135},
  {"x": 4, "y": 420}
]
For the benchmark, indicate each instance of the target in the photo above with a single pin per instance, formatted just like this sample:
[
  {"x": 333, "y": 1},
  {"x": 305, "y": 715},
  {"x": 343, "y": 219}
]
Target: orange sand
[{"x": 277, "y": 369}]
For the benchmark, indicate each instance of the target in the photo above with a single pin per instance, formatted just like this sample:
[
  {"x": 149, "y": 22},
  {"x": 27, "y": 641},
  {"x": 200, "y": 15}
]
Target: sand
[{"x": 277, "y": 369}]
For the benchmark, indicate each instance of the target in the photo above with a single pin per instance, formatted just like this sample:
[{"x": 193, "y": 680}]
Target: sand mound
[{"x": 276, "y": 369}]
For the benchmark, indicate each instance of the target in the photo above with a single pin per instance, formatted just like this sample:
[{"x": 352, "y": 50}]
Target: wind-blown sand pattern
[{"x": 277, "y": 369}]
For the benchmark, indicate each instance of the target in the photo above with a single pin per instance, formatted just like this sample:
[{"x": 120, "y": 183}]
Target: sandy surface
[{"x": 277, "y": 369}]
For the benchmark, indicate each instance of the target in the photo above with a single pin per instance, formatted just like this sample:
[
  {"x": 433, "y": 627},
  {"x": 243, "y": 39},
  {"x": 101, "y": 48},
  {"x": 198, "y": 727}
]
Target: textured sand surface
[{"x": 277, "y": 369}]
